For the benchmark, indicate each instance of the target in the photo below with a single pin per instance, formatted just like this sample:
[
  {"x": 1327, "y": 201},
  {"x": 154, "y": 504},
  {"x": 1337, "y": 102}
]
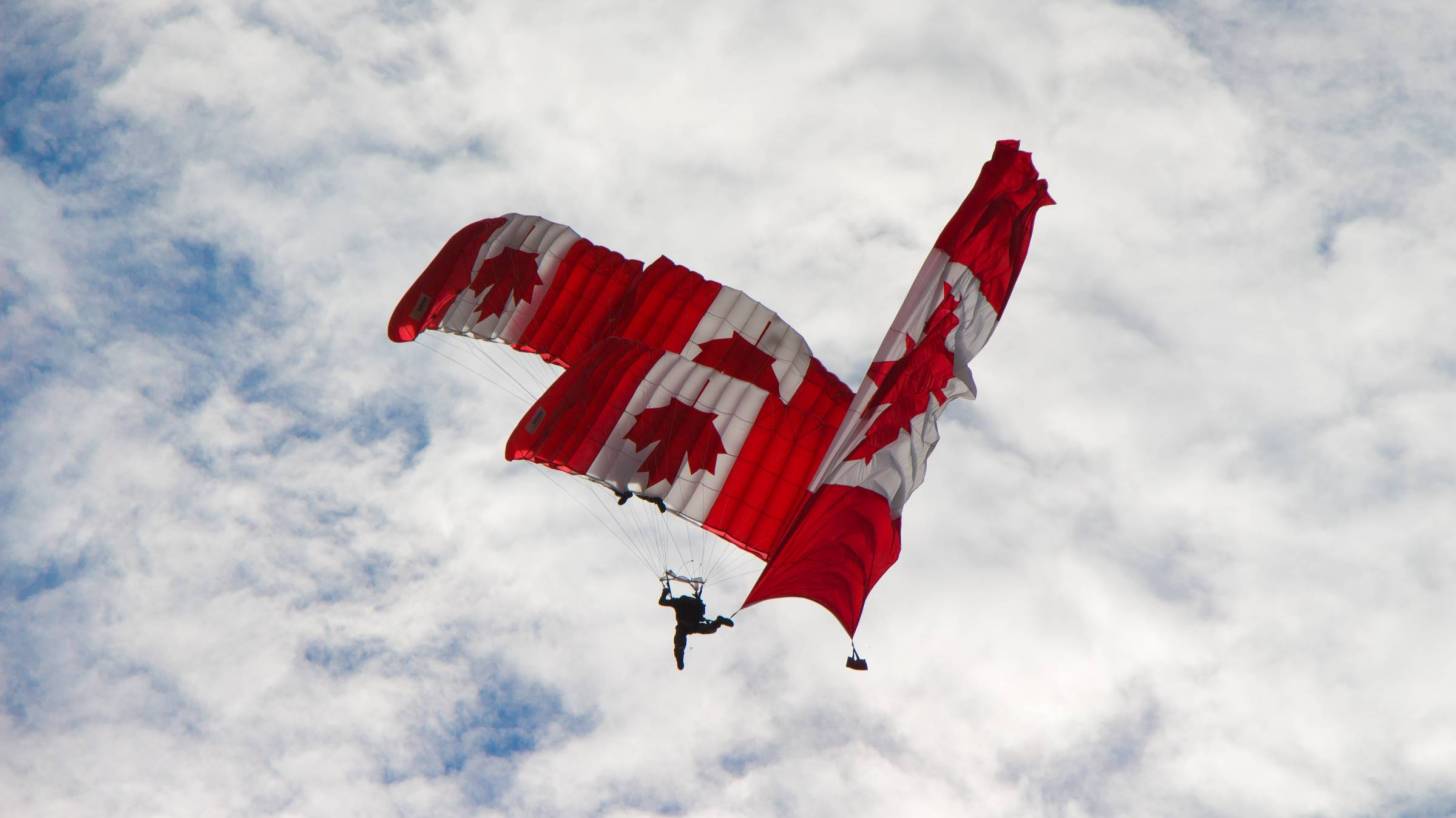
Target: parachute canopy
[{"x": 684, "y": 389}]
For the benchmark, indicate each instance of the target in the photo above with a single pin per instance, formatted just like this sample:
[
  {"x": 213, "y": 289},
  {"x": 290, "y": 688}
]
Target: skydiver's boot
[{"x": 723, "y": 620}]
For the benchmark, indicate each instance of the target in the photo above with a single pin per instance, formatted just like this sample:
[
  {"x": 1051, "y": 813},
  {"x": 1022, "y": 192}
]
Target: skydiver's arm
[{"x": 662, "y": 600}]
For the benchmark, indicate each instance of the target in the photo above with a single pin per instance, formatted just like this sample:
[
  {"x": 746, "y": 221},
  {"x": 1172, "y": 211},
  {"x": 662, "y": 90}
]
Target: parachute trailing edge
[{"x": 684, "y": 389}]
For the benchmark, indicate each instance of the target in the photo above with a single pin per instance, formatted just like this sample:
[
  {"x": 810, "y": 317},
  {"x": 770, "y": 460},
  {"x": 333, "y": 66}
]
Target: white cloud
[{"x": 1186, "y": 555}]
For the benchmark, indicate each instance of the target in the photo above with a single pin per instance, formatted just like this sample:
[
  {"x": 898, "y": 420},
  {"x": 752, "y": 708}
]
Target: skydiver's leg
[
  {"x": 679, "y": 646},
  {"x": 706, "y": 627}
]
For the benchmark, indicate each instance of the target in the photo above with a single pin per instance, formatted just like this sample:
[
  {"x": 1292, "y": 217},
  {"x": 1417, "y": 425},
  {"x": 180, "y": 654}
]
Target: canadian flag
[
  {"x": 673, "y": 308},
  {"x": 520, "y": 280},
  {"x": 667, "y": 427},
  {"x": 848, "y": 533},
  {"x": 519, "y": 260},
  {"x": 747, "y": 339}
]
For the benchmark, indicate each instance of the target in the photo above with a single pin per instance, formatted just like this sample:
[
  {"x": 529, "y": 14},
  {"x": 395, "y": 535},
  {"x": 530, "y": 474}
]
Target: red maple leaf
[
  {"x": 741, "y": 358},
  {"x": 512, "y": 273},
  {"x": 681, "y": 433},
  {"x": 906, "y": 384}
]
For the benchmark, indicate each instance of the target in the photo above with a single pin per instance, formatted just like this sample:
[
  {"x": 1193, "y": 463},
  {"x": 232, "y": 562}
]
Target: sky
[{"x": 1187, "y": 554}]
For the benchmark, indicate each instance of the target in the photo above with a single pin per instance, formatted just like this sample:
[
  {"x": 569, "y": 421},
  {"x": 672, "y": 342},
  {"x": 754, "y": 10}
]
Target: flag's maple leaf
[
  {"x": 906, "y": 384},
  {"x": 741, "y": 358},
  {"x": 681, "y": 433},
  {"x": 512, "y": 273}
]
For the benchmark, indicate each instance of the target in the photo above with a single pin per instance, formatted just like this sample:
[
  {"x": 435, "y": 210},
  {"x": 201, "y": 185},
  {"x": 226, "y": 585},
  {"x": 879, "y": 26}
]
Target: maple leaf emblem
[
  {"x": 510, "y": 274},
  {"x": 741, "y": 358},
  {"x": 906, "y": 384},
  {"x": 681, "y": 433}
]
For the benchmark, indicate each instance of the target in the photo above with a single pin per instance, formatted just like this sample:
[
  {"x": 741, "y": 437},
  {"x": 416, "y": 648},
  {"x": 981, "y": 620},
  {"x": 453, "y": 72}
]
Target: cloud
[{"x": 1187, "y": 554}]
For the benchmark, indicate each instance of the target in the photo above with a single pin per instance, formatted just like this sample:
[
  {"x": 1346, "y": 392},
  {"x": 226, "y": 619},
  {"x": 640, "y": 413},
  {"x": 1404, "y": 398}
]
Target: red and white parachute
[{"x": 684, "y": 389}]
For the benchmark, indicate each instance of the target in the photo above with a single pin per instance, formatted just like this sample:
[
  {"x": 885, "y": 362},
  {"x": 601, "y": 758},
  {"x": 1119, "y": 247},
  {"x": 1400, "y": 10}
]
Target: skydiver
[{"x": 691, "y": 617}]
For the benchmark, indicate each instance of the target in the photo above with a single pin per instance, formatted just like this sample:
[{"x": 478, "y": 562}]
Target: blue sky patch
[
  {"x": 387, "y": 415},
  {"x": 205, "y": 289},
  {"x": 21, "y": 689},
  {"x": 20, "y": 382},
  {"x": 509, "y": 716},
  {"x": 21, "y": 582},
  {"x": 343, "y": 658},
  {"x": 22, "y": 651},
  {"x": 739, "y": 762},
  {"x": 1442, "y": 805},
  {"x": 47, "y": 122}
]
